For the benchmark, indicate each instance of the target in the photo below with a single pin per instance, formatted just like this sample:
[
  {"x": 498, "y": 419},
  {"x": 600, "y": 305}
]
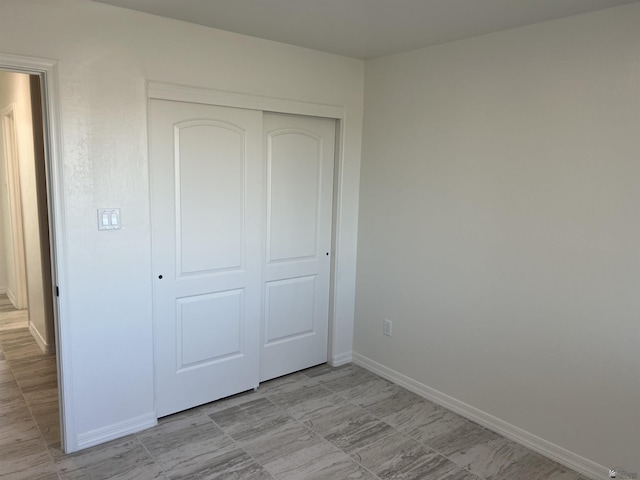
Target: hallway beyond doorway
[{"x": 10, "y": 317}]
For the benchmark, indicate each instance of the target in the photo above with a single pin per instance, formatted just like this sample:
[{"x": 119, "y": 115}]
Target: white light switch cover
[{"x": 108, "y": 219}]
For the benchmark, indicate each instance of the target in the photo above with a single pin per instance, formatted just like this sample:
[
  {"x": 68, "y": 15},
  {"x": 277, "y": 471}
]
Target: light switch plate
[{"x": 108, "y": 219}]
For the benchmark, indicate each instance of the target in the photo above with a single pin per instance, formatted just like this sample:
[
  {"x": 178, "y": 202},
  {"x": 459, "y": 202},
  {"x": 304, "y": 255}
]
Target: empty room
[{"x": 328, "y": 239}]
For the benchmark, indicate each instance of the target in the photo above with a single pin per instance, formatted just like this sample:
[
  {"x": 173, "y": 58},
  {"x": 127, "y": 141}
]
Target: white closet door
[
  {"x": 299, "y": 178},
  {"x": 206, "y": 196}
]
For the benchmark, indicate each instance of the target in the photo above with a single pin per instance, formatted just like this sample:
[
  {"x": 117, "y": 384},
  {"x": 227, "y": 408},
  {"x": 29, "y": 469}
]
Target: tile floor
[
  {"x": 29, "y": 419},
  {"x": 11, "y": 318},
  {"x": 322, "y": 423},
  {"x": 5, "y": 304}
]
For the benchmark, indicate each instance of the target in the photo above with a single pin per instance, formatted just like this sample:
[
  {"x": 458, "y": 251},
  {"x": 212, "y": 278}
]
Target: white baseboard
[
  {"x": 341, "y": 359},
  {"x": 117, "y": 430},
  {"x": 44, "y": 346},
  {"x": 11, "y": 296},
  {"x": 550, "y": 450}
]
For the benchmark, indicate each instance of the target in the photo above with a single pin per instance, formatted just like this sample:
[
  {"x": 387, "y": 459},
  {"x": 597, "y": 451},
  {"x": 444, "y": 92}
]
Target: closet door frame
[{"x": 337, "y": 288}]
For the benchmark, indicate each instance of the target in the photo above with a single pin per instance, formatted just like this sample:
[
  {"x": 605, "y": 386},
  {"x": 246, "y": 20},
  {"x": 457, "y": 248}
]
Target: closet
[{"x": 241, "y": 223}]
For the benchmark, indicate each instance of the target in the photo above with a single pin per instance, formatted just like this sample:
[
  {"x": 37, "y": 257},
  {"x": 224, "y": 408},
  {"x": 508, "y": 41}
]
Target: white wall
[
  {"x": 6, "y": 268},
  {"x": 106, "y": 55},
  {"x": 499, "y": 227},
  {"x": 3, "y": 262}
]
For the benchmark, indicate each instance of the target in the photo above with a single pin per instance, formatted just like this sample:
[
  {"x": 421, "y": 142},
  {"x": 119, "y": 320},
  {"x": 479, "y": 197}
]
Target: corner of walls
[
  {"x": 42, "y": 343},
  {"x": 11, "y": 295},
  {"x": 341, "y": 359}
]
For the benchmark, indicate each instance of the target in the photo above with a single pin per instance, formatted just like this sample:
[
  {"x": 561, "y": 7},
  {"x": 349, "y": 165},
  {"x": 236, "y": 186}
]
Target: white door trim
[
  {"x": 182, "y": 93},
  {"x": 18, "y": 296},
  {"x": 48, "y": 71}
]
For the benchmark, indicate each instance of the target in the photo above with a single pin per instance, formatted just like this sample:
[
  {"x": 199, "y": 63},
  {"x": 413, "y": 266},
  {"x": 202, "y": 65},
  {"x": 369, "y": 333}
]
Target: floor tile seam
[
  {"x": 33, "y": 418},
  {"x": 398, "y": 430},
  {"x": 13, "y": 321},
  {"x": 463, "y": 467},
  {"x": 25, "y": 467},
  {"x": 328, "y": 441},
  {"x": 53, "y": 461},
  {"x": 266, "y": 395},
  {"x": 318, "y": 379},
  {"x": 25, "y": 327},
  {"x": 252, "y": 457},
  {"x": 38, "y": 358},
  {"x": 349, "y": 456},
  {"x": 8, "y": 338},
  {"x": 332, "y": 391},
  {"x": 342, "y": 390},
  {"x": 376, "y": 440},
  {"x": 233, "y": 440},
  {"x": 443, "y": 455},
  {"x": 31, "y": 414},
  {"x": 348, "y": 401},
  {"x": 322, "y": 437},
  {"x": 155, "y": 460}
]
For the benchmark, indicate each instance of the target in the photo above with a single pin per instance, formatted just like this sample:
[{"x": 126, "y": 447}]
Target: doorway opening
[{"x": 27, "y": 308}]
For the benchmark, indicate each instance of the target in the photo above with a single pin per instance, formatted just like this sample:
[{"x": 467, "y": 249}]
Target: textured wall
[{"x": 106, "y": 55}]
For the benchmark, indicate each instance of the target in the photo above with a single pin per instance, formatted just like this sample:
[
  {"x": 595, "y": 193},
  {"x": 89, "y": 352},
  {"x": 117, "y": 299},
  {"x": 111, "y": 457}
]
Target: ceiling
[{"x": 365, "y": 28}]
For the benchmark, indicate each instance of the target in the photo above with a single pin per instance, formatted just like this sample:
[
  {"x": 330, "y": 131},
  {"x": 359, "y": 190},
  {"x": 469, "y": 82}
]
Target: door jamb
[
  {"x": 48, "y": 72},
  {"x": 11, "y": 156}
]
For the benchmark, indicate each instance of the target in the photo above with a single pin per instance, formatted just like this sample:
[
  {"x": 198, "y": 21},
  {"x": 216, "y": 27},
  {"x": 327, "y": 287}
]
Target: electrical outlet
[{"x": 386, "y": 327}]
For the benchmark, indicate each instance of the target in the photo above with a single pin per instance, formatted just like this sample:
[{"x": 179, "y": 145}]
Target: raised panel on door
[
  {"x": 206, "y": 196},
  {"x": 213, "y": 183},
  {"x": 289, "y": 308},
  {"x": 298, "y": 217},
  {"x": 209, "y": 328}
]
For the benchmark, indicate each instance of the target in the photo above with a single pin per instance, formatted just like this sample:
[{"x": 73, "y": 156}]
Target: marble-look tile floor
[
  {"x": 11, "y": 318},
  {"x": 29, "y": 419},
  {"x": 5, "y": 304},
  {"x": 323, "y": 423}
]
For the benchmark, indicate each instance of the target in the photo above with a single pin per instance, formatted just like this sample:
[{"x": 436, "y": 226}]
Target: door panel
[
  {"x": 289, "y": 308},
  {"x": 213, "y": 185},
  {"x": 209, "y": 328},
  {"x": 299, "y": 178},
  {"x": 206, "y": 193},
  {"x": 293, "y": 171}
]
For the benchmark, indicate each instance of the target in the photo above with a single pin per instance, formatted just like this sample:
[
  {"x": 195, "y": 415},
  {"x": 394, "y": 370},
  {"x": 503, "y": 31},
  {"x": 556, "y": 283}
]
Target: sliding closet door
[
  {"x": 299, "y": 156},
  {"x": 207, "y": 204}
]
